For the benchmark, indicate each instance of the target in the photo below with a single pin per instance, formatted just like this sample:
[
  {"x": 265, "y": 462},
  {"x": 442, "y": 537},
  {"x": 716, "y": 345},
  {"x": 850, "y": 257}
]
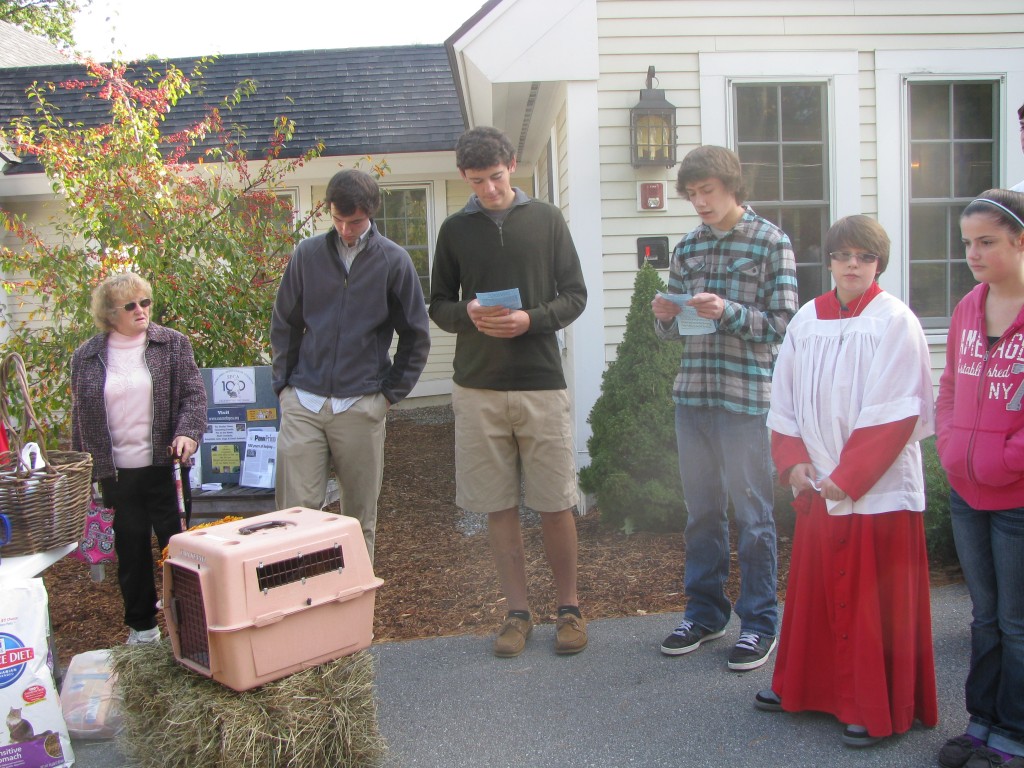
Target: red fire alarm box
[
  {"x": 653, "y": 251},
  {"x": 650, "y": 196}
]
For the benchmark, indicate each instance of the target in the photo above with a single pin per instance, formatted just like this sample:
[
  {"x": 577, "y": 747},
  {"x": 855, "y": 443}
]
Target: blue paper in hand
[
  {"x": 688, "y": 321},
  {"x": 510, "y": 299}
]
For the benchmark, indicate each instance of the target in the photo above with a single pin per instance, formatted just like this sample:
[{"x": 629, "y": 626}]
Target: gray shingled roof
[
  {"x": 356, "y": 101},
  {"x": 18, "y": 48}
]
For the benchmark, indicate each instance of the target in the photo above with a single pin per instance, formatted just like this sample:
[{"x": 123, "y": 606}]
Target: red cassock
[{"x": 856, "y": 631}]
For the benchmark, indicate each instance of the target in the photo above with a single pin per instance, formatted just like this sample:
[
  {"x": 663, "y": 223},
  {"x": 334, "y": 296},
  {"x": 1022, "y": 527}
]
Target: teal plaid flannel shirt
[{"x": 753, "y": 269}]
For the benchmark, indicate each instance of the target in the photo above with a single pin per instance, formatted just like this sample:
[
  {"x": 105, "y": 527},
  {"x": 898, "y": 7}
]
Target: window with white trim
[
  {"x": 914, "y": 220},
  {"x": 953, "y": 149},
  {"x": 793, "y": 117},
  {"x": 781, "y": 136},
  {"x": 404, "y": 218}
]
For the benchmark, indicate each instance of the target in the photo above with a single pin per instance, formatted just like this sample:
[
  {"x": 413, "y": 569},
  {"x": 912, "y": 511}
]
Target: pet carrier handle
[
  {"x": 13, "y": 369},
  {"x": 256, "y": 527}
]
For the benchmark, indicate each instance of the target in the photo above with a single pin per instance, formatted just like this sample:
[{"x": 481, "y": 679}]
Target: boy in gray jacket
[{"x": 343, "y": 297}]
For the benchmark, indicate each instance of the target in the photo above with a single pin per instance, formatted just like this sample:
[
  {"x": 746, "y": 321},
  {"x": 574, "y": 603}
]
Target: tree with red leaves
[{"x": 187, "y": 210}]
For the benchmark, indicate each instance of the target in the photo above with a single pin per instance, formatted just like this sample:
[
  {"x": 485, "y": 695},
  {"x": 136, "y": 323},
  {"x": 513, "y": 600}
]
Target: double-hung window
[
  {"x": 953, "y": 143},
  {"x": 782, "y": 140},
  {"x": 793, "y": 118},
  {"x": 403, "y": 217},
  {"x": 941, "y": 121}
]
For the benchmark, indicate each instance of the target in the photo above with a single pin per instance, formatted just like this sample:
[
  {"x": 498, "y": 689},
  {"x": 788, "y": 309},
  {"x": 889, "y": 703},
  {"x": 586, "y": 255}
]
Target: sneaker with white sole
[
  {"x": 687, "y": 637},
  {"x": 136, "y": 637},
  {"x": 751, "y": 651}
]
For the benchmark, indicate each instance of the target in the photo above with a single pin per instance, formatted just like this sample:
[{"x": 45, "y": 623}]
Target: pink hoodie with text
[{"x": 979, "y": 420}]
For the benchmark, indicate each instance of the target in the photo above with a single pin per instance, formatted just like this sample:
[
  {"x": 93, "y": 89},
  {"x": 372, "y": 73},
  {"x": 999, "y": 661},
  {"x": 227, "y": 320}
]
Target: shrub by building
[{"x": 634, "y": 469}]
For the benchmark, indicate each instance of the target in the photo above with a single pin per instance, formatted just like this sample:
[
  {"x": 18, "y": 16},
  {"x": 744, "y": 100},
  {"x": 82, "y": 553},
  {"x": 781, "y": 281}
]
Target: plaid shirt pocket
[{"x": 745, "y": 277}]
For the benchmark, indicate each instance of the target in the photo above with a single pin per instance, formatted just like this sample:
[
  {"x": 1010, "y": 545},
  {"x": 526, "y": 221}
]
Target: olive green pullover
[{"x": 531, "y": 250}]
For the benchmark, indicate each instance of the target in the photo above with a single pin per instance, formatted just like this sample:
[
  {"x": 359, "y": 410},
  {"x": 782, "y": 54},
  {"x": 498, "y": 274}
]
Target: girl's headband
[{"x": 1002, "y": 207}]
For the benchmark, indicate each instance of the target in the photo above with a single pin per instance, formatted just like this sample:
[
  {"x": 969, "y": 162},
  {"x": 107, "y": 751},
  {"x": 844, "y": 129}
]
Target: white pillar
[{"x": 583, "y": 170}]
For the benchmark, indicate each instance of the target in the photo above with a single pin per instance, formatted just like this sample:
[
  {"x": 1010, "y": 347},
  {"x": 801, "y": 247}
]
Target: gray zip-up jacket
[
  {"x": 179, "y": 399},
  {"x": 331, "y": 330}
]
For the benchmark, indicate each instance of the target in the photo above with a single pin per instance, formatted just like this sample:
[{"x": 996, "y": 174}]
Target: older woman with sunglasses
[
  {"x": 137, "y": 401},
  {"x": 851, "y": 399}
]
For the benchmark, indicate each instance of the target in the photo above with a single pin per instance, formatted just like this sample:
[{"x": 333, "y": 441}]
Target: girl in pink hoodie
[{"x": 980, "y": 440}]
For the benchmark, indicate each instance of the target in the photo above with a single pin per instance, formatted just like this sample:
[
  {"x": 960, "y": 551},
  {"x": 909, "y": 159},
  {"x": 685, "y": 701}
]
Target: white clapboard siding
[{"x": 672, "y": 35}]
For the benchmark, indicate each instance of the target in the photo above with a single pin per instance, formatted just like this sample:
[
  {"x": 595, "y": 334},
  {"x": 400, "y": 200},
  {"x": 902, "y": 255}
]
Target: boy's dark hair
[
  {"x": 483, "y": 147},
  {"x": 711, "y": 162},
  {"x": 1020, "y": 112},
  {"x": 351, "y": 190},
  {"x": 859, "y": 232},
  {"x": 1003, "y": 205}
]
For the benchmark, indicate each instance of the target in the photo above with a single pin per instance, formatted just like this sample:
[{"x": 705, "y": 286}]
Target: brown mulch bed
[{"x": 435, "y": 560}]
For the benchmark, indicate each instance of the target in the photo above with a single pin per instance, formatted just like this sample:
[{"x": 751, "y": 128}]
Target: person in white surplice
[{"x": 851, "y": 398}]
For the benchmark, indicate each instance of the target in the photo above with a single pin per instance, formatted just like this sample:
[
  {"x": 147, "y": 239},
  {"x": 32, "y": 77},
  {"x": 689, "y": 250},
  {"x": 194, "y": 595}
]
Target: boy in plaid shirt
[{"x": 740, "y": 272}]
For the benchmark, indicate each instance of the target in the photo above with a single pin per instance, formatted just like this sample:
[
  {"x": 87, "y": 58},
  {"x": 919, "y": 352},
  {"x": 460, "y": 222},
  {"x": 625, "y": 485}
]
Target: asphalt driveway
[{"x": 447, "y": 703}]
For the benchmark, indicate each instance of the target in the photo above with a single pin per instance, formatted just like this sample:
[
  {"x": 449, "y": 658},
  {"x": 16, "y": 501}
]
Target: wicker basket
[{"x": 47, "y": 507}]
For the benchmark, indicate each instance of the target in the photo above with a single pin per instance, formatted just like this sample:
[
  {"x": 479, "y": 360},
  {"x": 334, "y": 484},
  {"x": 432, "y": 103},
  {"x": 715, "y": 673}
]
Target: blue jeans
[
  {"x": 726, "y": 456},
  {"x": 990, "y": 545}
]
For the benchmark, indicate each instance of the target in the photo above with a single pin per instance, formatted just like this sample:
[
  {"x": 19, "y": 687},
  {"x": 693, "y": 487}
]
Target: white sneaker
[{"x": 145, "y": 636}]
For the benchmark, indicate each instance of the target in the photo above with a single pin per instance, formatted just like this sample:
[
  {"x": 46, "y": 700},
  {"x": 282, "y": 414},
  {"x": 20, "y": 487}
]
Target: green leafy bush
[
  {"x": 937, "y": 527},
  {"x": 785, "y": 515},
  {"x": 634, "y": 469}
]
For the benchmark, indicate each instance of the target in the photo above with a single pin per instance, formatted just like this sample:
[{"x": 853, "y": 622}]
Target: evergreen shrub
[
  {"x": 634, "y": 466},
  {"x": 938, "y": 529}
]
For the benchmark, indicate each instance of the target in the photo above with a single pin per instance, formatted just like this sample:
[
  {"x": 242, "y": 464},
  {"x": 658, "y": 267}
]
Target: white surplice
[{"x": 834, "y": 376}]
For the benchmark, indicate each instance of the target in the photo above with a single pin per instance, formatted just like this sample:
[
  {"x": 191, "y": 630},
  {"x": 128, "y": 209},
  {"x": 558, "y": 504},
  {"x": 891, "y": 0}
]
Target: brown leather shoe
[
  {"x": 570, "y": 634},
  {"x": 511, "y": 638}
]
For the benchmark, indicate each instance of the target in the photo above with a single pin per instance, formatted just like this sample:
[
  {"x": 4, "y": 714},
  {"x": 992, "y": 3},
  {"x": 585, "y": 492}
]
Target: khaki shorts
[{"x": 498, "y": 432}]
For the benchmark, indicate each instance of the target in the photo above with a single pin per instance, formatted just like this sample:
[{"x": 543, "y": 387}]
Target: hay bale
[{"x": 175, "y": 718}]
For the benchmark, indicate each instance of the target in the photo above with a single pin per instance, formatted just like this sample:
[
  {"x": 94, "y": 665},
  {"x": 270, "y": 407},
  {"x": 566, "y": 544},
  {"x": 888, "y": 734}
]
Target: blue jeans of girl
[{"x": 990, "y": 545}]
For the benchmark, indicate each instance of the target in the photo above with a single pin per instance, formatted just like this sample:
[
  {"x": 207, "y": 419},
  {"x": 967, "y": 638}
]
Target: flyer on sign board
[{"x": 258, "y": 469}]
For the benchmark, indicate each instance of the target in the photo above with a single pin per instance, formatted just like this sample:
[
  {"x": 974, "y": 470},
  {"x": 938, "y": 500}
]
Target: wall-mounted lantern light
[{"x": 652, "y": 128}]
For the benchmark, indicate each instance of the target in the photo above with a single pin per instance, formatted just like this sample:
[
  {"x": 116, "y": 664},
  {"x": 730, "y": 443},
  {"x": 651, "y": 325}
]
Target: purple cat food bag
[{"x": 34, "y": 735}]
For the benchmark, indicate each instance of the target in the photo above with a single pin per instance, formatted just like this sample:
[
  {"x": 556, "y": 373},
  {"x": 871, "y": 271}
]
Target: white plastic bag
[
  {"x": 92, "y": 708},
  {"x": 32, "y": 460},
  {"x": 35, "y": 735},
  {"x": 32, "y": 456}
]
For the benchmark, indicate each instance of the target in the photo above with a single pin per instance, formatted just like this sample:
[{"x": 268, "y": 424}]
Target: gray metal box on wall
[{"x": 238, "y": 401}]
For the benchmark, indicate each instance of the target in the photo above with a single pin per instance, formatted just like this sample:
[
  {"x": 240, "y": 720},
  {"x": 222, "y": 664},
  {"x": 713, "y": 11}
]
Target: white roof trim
[{"x": 510, "y": 45}]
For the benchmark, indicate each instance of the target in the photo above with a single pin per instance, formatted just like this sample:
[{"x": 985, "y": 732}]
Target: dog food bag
[
  {"x": 34, "y": 735},
  {"x": 89, "y": 699}
]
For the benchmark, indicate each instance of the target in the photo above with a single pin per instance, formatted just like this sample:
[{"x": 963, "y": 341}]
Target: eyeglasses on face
[
  {"x": 863, "y": 258},
  {"x": 130, "y": 306}
]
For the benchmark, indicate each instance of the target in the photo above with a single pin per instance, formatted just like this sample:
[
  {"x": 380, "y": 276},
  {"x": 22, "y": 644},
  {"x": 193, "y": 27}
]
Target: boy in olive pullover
[{"x": 510, "y": 400}]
